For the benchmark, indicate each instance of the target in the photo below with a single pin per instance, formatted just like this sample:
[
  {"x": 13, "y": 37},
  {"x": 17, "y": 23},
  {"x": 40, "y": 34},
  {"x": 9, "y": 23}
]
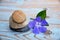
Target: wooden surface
[{"x": 30, "y": 8}]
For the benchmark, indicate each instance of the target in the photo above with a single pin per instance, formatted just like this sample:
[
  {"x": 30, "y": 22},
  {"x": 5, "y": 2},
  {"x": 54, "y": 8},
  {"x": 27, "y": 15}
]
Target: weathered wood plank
[
  {"x": 45, "y": 5},
  {"x": 53, "y": 18},
  {"x": 26, "y": 11},
  {"x": 4, "y": 26},
  {"x": 30, "y": 3},
  {"x": 30, "y": 8},
  {"x": 8, "y": 34}
]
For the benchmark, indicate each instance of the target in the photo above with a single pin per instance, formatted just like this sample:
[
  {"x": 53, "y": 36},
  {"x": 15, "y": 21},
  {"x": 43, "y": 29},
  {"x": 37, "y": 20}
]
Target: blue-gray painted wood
[{"x": 7, "y": 7}]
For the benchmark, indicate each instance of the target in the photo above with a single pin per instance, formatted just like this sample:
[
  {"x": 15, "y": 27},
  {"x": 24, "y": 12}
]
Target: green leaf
[{"x": 42, "y": 14}]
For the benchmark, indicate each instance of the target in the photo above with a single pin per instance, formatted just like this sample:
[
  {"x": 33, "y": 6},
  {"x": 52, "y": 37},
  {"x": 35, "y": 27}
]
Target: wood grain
[{"x": 30, "y": 8}]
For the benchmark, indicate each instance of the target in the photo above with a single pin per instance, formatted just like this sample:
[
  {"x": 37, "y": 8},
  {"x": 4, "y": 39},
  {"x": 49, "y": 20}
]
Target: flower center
[{"x": 38, "y": 24}]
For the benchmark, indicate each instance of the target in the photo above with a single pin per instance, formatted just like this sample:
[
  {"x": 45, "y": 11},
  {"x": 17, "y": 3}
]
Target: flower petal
[
  {"x": 35, "y": 30},
  {"x": 38, "y": 19},
  {"x": 44, "y": 23},
  {"x": 31, "y": 24},
  {"x": 42, "y": 29}
]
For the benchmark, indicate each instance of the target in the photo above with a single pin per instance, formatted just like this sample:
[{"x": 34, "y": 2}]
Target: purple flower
[{"x": 37, "y": 25}]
